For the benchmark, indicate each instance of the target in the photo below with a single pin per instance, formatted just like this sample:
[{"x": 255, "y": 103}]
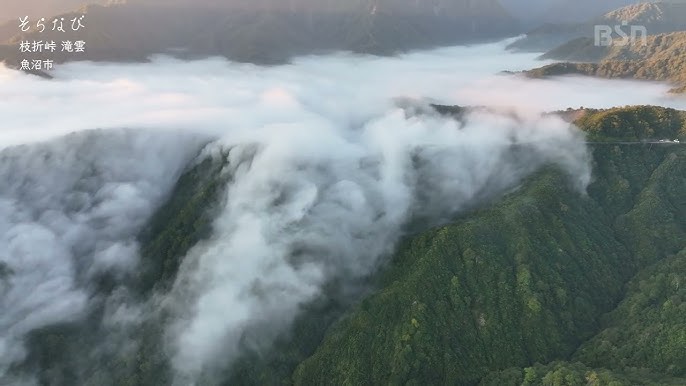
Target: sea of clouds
[{"x": 330, "y": 157}]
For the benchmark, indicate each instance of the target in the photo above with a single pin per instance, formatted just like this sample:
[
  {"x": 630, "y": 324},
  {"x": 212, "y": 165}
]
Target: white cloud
[{"x": 70, "y": 209}]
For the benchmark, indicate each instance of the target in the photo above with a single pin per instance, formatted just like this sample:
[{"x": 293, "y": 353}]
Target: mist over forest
[{"x": 323, "y": 192}]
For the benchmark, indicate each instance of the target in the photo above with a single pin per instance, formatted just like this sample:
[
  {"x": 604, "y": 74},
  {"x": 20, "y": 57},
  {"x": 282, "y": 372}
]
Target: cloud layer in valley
[
  {"x": 219, "y": 96},
  {"x": 330, "y": 157}
]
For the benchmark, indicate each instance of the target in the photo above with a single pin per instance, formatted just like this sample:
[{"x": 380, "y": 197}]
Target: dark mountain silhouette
[{"x": 271, "y": 32}]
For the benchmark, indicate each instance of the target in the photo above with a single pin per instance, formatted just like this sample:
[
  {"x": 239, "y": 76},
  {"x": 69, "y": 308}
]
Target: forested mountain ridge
[
  {"x": 481, "y": 299},
  {"x": 633, "y": 124}
]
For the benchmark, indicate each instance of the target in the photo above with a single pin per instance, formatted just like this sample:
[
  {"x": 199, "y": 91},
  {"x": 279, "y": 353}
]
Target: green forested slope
[
  {"x": 523, "y": 282},
  {"x": 576, "y": 374},
  {"x": 648, "y": 329},
  {"x": 643, "y": 341},
  {"x": 519, "y": 283},
  {"x": 179, "y": 224}
]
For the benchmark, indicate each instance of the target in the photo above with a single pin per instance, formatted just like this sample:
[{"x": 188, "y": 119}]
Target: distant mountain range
[
  {"x": 657, "y": 17},
  {"x": 663, "y": 58},
  {"x": 583, "y": 10},
  {"x": 557, "y": 11},
  {"x": 270, "y": 31}
]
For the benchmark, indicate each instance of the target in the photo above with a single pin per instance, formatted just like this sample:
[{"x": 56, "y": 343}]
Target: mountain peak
[{"x": 657, "y": 17}]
